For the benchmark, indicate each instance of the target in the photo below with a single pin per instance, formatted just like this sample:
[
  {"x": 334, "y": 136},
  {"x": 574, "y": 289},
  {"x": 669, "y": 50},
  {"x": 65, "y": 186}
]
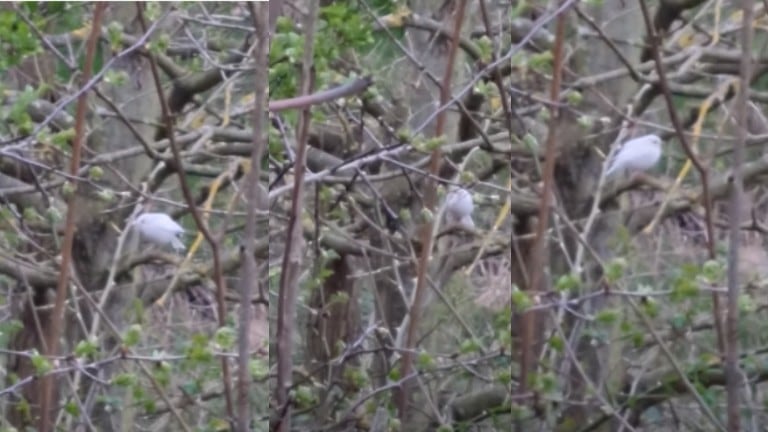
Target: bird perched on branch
[
  {"x": 160, "y": 229},
  {"x": 459, "y": 207},
  {"x": 637, "y": 154}
]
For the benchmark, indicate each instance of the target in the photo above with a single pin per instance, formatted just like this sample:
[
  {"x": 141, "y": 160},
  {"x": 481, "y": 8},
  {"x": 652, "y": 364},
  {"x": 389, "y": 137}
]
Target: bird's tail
[
  {"x": 177, "y": 244},
  {"x": 611, "y": 169},
  {"x": 467, "y": 222}
]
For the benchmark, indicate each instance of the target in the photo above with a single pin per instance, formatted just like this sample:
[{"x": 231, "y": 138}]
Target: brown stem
[
  {"x": 654, "y": 42},
  {"x": 537, "y": 251},
  {"x": 51, "y": 347},
  {"x": 218, "y": 277},
  {"x": 430, "y": 192},
  {"x": 344, "y": 90},
  {"x": 292, "y": 256}
]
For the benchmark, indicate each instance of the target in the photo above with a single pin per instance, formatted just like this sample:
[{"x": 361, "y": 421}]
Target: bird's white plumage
[
  {"x": 638, "y": 154},
  {"x": 161, "y": 229},
  {"x": 459, "y": 207}
]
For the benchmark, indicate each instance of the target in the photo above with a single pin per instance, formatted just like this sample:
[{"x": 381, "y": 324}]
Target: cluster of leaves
[{"x": 342, "y": 28}]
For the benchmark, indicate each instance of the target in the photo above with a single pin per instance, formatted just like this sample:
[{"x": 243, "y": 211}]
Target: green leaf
[
  {"x": 607, "y": 316},
  {"x": 132, "y": 336},
  {"x": 86, "y": 348},
  {"x": 713, "y": 271},
  {"x": 568, "y": 283},
  {"x": 124, "y": 379},
  {"x": 41, "y": 364},
  {"x": 684, "y": 287},
  {"x": 520, "y": 300},
  {"x": 614, "y": 270},
  {"x": 258, "y": 369},
  {"x": 557, "y": 343},
  {"x": 225, "y": 337},
  {"x": 574, "y": 98},
  {"x": 303, "y": 396},
  {"x": 425, "y": 361},
  {"x": 469, "y": 345},
  {"x": 191, "y": 388},
  {"x": 115, "y": 35},
  {"x": 72, "y": 409}
]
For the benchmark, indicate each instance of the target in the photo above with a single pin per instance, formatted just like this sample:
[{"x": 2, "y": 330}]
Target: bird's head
[
  {"x": 653, "y": 140},
  {"x": 141, "y": 220}
]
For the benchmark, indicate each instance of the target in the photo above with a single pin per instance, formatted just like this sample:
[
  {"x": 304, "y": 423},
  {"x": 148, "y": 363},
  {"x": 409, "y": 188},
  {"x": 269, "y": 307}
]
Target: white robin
[
  {"x": 459, "y": 207},
  {"x": 161, "y": 229},
  {"x": 637, "y": 154}
]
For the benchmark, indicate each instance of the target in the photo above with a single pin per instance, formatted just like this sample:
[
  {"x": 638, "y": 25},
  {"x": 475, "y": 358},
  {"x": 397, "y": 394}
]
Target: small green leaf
[
  {"x": 531, "y": 143},
  {"x": 225, "y": 337},
  {"x": 95, "y": 173},
  {"x": 425, "y": 361},
  {"x": 713, "y": 271},
  {"x": 684, "y": 287},
  {"x": 520, "y": 300},
  {"x": 86, "y": 348},
  {"x": 68, "y": 189},
  {"x": 72, "y": 409},
  {"x": 303, "y": 396},
  {"x": 40, "y": 363},
  {"x": 614, "y": 270},
  {"x": 568, "y": 283},
  {"x": 607, "y": 316},
  {"x": 557, "y": 343},
  {"x": 105, "y": 195},
  {"x": 574, "y": 98},
  {"x": 394, "y": 374},
  {"x": 124, "y": 379},
  {"x": 469, "y": 345},
  {"x": 258, "y": 369},
  {"x": 747, "y": 303},
  {"x": 132, "y": 336},
  {"x": 114, "y": 35},
  {"x": 427, "y": 215}
]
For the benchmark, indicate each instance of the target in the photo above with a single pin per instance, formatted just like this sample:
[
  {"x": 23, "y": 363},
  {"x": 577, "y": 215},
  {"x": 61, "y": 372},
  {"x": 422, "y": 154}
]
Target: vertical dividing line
[
  {"x": 733, "y": 378},
  {"x": 249, "y": 277}
]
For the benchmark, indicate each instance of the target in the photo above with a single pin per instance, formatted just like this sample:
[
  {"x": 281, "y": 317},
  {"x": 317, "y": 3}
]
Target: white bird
[
  {"x": 637, "y": 154},
  {"x": 160, "y": 229},
  {"x": 459, "y": 207}
]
